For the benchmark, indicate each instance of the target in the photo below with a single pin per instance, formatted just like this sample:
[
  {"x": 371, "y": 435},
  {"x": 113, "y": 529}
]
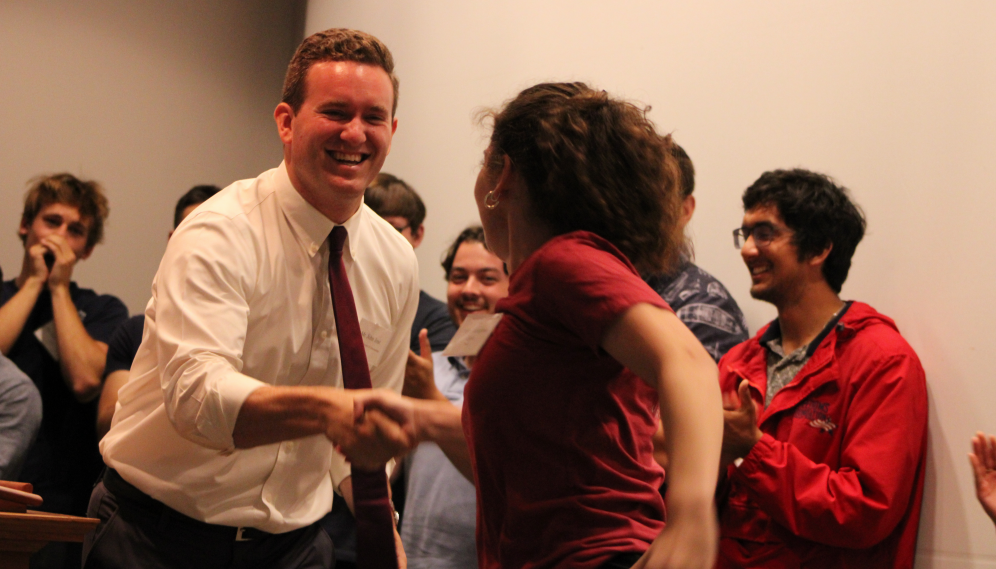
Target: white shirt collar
[{"x": 310, "y": 226}]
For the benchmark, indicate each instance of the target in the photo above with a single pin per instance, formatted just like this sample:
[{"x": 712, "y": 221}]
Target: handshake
[{"x": 383, "y": 425}]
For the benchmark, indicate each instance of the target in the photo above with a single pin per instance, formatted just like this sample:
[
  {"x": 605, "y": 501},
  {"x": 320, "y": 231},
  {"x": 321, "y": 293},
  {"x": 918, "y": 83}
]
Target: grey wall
[
  {"x": 895, "y": 99},
  {"x": 149, "y": 98}
]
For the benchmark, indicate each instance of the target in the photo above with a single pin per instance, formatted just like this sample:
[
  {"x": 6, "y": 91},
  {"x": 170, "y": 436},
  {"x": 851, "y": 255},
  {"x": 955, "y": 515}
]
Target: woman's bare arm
[{"x": 655, "y": 345}]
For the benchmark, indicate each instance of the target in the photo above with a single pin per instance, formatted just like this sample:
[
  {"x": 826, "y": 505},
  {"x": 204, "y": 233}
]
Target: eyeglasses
[{"x": 763, "y": 234}]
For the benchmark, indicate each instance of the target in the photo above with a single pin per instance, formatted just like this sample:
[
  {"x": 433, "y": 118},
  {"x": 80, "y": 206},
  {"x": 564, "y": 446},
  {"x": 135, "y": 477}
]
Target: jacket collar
[{"x": 820, "y": 369}]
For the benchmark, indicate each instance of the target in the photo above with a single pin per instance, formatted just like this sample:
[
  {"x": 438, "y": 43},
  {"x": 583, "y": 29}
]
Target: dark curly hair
[
  {"x": 336, "y": 44},
  {"x": 595, "y": 163},
  {"x": 818, "y": 211},
  {"x": 473, "y": 234},
  {"x": 85, "y": 195}
]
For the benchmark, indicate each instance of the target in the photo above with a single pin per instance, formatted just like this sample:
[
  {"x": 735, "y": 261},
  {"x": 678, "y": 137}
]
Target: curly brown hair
[
  {"x": 594, "y": 163},
  {"x": 472, "y": 234},
  {"x": 336, "y": 44},
  {"x": 85, "y": 195}
]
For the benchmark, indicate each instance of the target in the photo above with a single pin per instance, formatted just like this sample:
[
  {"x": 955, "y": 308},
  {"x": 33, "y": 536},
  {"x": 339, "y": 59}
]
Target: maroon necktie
[{"x": 374, "y": 514}]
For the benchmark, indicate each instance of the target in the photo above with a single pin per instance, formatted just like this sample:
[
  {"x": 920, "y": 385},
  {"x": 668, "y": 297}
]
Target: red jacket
[{"x": 837, "y": 479}]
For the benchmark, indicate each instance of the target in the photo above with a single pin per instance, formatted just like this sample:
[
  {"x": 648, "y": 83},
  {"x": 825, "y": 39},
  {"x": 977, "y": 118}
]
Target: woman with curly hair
[{"x": 579, "y": 195}]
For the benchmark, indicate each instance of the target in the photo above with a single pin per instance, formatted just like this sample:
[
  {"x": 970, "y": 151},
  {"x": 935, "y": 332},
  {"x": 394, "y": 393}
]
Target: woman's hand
[
  {"x": 659, "y": 348},
  {"x": 983, "y": 461},
  {"x": 688, "y": 542}
]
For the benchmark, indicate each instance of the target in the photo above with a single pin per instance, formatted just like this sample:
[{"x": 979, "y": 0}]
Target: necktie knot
[{"x": 336, "y": 240}]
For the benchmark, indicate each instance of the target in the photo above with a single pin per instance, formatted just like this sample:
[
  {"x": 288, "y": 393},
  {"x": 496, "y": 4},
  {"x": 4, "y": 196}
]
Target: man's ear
[
  {"x": 687, "y": 209},
  {"x": 418, "y": 235},
  {"x": 284, "y": 116},
  {"x": 821, "y": 257},
  {"x": 23, "y": 230}
]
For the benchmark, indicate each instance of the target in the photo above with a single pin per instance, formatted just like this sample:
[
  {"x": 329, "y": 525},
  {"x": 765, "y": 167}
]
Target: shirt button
[
  {"x": 314, "y": 249},
  {"x": 323, "y": 335}
]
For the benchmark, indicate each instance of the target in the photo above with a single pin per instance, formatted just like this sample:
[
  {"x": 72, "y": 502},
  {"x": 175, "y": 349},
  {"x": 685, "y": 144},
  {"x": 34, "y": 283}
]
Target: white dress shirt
[{"x": 242, "y": 300}]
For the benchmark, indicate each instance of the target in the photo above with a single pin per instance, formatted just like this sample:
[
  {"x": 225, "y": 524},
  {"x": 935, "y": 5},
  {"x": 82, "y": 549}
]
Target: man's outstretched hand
[{"x": 383, "y": 428}]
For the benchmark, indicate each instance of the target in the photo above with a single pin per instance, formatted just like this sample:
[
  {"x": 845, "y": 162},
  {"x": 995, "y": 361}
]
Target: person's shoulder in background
[
  {"x": 432, "y": 315},
  {"x": 705, "y": 306}
]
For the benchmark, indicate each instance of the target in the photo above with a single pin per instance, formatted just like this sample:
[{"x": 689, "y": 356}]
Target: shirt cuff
[
  {"x": 754, "y": 459},
  {"x": 231, "y": 391},
  {"x": 338, "y": 470}
]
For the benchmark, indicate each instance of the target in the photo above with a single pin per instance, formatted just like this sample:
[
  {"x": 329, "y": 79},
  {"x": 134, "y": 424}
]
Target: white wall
[
  {"x": 149, "y": 98},
  {"x": 894, "y": 99}
]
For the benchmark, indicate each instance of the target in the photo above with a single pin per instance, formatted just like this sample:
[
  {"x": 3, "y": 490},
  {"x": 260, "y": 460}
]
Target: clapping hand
[
  {"x": 420, "y": 381},
  {"x": 689, "y": 541},
  {"x": 983, "y": 459},
  {"x": 740, "y": 430}
]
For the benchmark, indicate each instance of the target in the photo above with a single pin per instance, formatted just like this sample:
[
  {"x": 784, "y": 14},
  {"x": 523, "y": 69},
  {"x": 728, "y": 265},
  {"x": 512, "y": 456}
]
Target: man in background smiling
[{"x": 825, "y": 436}]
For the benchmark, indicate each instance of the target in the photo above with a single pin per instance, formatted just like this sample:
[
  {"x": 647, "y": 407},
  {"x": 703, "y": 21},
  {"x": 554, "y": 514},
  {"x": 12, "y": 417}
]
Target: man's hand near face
[
  {"x": 14, "y": 313},
  {"x": 740, "y": 430},
  {"x": 35, "y": 266},
  {"x": 81, "y": 358},
  {"x": 60, "y": 273}
]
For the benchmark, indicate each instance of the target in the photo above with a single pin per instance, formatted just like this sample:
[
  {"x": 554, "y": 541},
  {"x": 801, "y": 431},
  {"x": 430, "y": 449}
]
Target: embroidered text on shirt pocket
[{"x": 375, "y": 340}]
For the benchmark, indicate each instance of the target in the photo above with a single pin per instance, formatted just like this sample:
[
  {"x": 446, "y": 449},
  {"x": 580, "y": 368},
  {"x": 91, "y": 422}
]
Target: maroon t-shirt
[{"x": 559, "y": 431}]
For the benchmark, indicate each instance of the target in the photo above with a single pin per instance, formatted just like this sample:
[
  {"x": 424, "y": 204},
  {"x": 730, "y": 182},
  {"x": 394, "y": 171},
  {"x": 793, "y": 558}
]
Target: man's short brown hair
[
  {"x": 389, "y": 195},
  {"x": 85, "y": 195},
  {"x": 336, "y": 44}
]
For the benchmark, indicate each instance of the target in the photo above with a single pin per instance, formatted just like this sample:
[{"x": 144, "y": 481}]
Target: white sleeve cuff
[{"x": 214, "y": 421}]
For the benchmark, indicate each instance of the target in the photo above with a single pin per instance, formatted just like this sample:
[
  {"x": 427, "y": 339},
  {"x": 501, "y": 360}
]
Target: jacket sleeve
[{"x": 861, "y": 502}]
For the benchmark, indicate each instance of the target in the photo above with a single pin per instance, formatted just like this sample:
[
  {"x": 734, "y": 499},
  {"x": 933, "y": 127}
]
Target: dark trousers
[{"x": 138, "y": 531}]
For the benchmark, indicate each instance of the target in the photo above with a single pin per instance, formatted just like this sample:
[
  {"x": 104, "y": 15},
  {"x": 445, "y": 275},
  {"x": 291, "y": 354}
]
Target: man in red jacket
[{"x": 826, "y": 408}]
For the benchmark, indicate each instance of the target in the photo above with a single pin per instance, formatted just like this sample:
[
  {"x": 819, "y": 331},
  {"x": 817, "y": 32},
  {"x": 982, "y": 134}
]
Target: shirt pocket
[{"x": 375, "y": 340}]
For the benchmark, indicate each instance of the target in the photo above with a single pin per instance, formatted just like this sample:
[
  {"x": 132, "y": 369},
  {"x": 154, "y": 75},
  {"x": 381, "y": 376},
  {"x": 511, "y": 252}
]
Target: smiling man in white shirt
[{"x": 222, "y": 448}]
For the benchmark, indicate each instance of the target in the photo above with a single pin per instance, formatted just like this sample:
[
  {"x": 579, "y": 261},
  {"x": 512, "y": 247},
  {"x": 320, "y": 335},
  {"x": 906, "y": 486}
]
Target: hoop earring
[{"x": 490, "y": 200}]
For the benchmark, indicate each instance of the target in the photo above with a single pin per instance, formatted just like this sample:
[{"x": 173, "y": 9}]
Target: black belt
[{"x": 125, "y": 492}]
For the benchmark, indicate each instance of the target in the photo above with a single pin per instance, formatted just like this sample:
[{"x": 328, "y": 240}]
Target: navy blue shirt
[
  {"x": 432, "y": 315},
  {"x": 64, "y": 462},
  {"x": 124, "y": 344}
]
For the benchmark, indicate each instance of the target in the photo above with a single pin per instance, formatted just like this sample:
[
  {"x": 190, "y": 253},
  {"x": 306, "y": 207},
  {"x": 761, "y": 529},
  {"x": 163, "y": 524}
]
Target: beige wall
[
  {"x": 895, "y": 99},
  {"x": 149, "y": 98}
]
